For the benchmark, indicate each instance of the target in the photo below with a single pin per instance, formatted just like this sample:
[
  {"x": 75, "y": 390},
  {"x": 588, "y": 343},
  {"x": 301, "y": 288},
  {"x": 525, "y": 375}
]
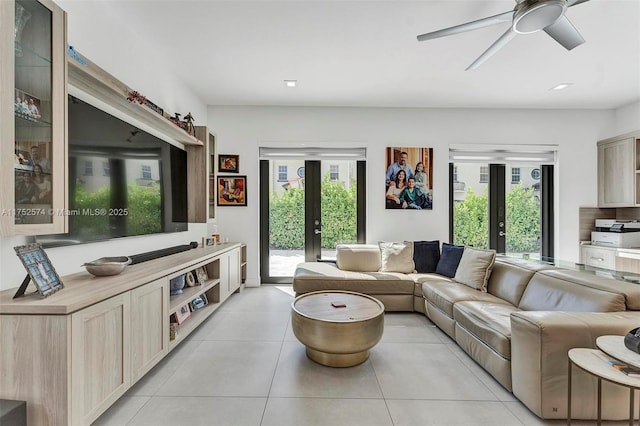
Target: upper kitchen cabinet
[
  {"x": 619, "y": 171},
  {"x": 33, "y": 112}
]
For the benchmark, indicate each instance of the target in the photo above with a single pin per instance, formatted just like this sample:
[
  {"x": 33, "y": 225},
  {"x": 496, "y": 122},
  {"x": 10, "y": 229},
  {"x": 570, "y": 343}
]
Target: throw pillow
[
  {"x": 449, "y": 260},
  {"x": 475, "y": 268},
  {"x": 396, "y": 257},
  {"x": 426, "y": 255}
]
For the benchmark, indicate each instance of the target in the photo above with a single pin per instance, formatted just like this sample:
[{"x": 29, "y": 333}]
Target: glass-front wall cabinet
[{"x": 38, "y": 112}]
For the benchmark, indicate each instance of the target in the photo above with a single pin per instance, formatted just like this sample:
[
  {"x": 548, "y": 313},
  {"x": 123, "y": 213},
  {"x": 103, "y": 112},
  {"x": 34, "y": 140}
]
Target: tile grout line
[{"x": 275, "y": 369}]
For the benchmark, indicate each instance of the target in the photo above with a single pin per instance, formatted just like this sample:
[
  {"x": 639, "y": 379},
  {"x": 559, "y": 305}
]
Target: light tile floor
[{"x": 244, "y": 366}]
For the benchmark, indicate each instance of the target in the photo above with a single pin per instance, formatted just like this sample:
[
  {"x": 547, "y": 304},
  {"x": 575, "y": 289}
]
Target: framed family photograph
[
  {"x": 232, "y": 190},
  {"x": 40, "y": 270},
  {"x": 229, "y": 163},
  {"x": 182, "y": 314},
  {"x": 26, "y": 106},
  {"x": 409, "y": 178},
  {"x": 202, "y": 275}
]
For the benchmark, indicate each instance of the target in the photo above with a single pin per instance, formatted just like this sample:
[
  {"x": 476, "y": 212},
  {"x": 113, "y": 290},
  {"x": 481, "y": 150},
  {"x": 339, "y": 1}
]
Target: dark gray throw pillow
[
  {"x": 449, "y": 260},
  {"x": 426, "y": 255}
]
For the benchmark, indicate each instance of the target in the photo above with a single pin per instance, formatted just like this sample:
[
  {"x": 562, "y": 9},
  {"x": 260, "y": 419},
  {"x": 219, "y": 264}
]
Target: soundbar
[{"x": 150, "y": 255}]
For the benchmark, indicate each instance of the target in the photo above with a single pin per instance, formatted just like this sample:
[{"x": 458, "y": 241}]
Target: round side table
[{"x": 594, "y": 362}]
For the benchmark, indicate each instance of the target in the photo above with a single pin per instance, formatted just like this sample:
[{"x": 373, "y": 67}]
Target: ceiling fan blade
[
  {"x": 469, "y": 26},
  {"x": 564, "y": 33},
  {"x": 497, "y": 45},
  {"x": 575, "y": 2}
]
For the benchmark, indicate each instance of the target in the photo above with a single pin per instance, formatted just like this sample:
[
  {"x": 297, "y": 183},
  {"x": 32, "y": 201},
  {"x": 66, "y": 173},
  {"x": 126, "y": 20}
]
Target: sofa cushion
[
  {"x": 449, "y": 260},
  {"x": 443, "y": 294},
  {"x": 510, "y": 277},
  {"x": 426, "y": 255},
  {"x": 630, "y": 291},
  {"x": 318, "y": 276},
  {"x": 555, "y": 292},
  {"x": 396, "y": 257},
  {"x": 358, "y": 257},
  {"x": 489, "y": 322},
  {"x": 475, "y": 267}
]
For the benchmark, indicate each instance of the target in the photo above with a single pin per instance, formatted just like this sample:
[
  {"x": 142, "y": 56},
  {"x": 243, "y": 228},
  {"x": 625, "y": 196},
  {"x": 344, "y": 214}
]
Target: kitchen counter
[{"x": 614, "y": 272}]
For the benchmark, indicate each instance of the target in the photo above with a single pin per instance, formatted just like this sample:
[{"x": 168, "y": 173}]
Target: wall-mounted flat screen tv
[{"x": 122, "y": 180}]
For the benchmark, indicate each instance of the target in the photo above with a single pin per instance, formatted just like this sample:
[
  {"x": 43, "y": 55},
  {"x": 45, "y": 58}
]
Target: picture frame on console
[
  {"x": 409, "y": 178},
  {"x": 40, "y": 270}
]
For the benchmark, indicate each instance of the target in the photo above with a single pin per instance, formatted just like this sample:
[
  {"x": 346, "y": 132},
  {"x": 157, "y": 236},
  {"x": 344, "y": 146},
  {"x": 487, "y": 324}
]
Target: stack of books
[{"x": 627, "y": 369}]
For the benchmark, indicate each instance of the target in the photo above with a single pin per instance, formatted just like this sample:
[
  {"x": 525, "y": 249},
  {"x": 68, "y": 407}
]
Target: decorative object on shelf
[
  {"x": 229, "y": 163},
  {"x": 21, "y": 18},
  {"x": 188, "y": 124},
  {"x": 190, "y": 279},
  {"x": 107, "y": 265},
  {"x": 196, "y": 304},
  {"x": 202, "y": 275},
  {"x": 208, "y": 242},
  {"x": 176, "y": 119},
  {"x": 134, "y": 96},
  {"x": 409, "y": 178},
  {"x": 182, "y": 314},
  {"x": 71, "y": 52},
  {"x": 26, "y": 106},
  {"x": 176, "y": 285},
  {"x": 154, "y": 107},
  {"x": 232, "y": 190},
  {"x": 40, "y": 270}
]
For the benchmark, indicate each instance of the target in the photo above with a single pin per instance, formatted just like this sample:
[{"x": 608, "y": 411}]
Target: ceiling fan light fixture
[{"x": 534, "y": 15}]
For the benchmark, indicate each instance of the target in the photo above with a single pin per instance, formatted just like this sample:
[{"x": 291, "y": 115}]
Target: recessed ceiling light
[
  {"x": 561, "y": 86},
  {"x": 290, "y": 83}
]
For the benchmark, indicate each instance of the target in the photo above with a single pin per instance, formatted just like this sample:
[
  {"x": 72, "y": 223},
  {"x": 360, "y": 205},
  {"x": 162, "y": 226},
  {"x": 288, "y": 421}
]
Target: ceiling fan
[{"x": 528, "y": 16}]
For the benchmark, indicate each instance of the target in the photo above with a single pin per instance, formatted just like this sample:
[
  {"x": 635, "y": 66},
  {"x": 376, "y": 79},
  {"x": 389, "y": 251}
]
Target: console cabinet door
[
  {"x": 234, "y": 270},
  {"x": 100, "y": 371},
  {"x": 229, "y": 273},
  {"x": 616, "y": 173},
  {"x": 149, "y": 326}
]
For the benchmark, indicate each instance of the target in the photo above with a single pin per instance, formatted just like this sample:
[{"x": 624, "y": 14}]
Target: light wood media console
[{"x": 73, "y": 354}]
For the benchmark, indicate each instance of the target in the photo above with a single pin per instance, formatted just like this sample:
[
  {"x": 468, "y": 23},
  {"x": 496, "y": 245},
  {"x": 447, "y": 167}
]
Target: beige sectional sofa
[{"x": 519, "y": 330}]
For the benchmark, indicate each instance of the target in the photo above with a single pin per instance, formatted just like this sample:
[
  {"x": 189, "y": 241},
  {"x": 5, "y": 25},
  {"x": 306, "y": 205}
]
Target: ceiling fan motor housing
[{"x": 534, "y": 15}]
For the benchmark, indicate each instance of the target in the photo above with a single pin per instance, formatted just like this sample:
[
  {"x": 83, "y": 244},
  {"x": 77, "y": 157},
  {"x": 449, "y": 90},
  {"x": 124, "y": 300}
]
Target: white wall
[
  {"x": 110, "y": 42},
  {"x": 627, "y": 119},
  {"x": 241, "y": 130}
]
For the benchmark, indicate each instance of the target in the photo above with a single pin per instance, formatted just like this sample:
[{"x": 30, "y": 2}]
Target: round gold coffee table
[{"x": 337, "y": 327}]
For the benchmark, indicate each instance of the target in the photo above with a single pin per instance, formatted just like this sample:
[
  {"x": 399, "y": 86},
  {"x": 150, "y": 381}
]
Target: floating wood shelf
[{"x": 90, "y": 78}]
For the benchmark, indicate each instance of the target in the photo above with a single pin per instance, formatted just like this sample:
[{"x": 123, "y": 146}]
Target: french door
[
  {"x": 505, "y": 207},
  {"x": 307, "y": 207}
]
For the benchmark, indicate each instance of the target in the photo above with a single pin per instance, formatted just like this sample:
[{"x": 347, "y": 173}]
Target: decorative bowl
[
  {"x": 176, "y": 285},
  {"x": 107, "y": 265}
]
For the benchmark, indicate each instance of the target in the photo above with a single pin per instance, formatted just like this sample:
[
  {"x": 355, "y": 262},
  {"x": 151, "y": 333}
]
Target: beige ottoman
[{"x": 337, "y": 327}]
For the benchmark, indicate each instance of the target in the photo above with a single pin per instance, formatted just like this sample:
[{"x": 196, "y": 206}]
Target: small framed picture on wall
[{"x": 229, "y": 163}]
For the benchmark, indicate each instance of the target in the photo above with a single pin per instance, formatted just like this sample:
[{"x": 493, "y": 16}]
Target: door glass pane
[
  {"x": 287, "y": 222},
  {"x": 523, "y": 214},
  {"x": 33, "y": 113},
  {"x": 286, "y": 216},
  {"x": 471, "y": 204},
  {"x": 339, "y": 200}
]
